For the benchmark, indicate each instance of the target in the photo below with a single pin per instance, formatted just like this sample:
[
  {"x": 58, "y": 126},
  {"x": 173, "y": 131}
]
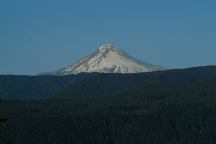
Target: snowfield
[{"x": 108, "y": 59}]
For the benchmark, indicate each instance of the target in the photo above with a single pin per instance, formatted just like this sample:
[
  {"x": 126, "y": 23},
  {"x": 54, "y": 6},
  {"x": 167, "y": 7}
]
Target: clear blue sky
[{"x": 43, "y": 35}]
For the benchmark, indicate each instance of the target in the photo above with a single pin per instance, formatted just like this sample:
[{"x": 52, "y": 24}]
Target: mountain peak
[
  {"x": 108, "y": 59},
  {"x": 106, "y": 47}
]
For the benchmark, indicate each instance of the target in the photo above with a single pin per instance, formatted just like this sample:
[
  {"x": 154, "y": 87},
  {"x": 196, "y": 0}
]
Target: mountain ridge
[{"x": 95, "y": 84}]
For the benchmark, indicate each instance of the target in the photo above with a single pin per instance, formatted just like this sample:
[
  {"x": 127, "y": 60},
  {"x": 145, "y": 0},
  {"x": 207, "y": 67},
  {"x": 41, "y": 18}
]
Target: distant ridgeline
[{"x": 99, "y": 84}]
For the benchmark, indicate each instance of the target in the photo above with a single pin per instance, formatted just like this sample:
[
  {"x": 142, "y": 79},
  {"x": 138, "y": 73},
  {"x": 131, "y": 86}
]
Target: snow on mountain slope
[{"x": 108, "y": 59}]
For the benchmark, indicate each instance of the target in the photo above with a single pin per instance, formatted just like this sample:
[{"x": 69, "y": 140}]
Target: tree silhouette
[{"x": 2, "y": 121}]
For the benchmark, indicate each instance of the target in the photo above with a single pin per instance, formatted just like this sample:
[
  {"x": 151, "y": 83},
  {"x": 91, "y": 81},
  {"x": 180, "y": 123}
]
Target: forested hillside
[{"x": 170, "y": 107}]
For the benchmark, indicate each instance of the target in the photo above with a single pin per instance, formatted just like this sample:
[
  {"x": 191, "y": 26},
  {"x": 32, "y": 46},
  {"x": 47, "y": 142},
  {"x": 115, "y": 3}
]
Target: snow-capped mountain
[{"x": 108, "y": 59}]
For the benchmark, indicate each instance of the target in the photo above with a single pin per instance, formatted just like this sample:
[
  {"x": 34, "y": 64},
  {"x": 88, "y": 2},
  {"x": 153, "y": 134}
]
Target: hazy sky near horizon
[{"x": 43, "y": 35}]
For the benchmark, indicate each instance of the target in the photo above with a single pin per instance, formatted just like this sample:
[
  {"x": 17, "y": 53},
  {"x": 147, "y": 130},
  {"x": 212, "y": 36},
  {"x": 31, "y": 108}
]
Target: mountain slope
[
  {"x": 103, "y": 85},
  {"x": 108, "y": 59},
  {"x": 97, "y": 84},
  {"x": 31, "y": 87}
]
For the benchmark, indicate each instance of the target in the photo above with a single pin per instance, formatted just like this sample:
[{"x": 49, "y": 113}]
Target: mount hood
[{"x": 107, "y": 59}]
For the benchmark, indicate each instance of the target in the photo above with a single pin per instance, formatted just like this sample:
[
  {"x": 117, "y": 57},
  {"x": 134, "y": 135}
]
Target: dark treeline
[{"x": 170, "y": 107}]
